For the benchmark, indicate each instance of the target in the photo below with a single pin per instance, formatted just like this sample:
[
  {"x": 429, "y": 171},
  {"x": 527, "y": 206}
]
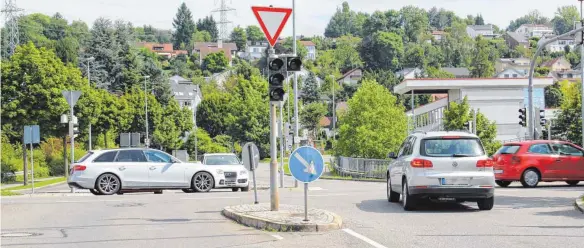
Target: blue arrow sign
[{"x": 306, "y": 164}]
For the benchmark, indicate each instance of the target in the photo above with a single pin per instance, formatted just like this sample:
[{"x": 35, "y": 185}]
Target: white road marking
[
  {"x": 278, "y": 237},
  {"x": 328, "y": 195},
  {"x": 209, "y": 198},
  {"x": 361, "y": 237},
  {"x": 314, "y": 188}
]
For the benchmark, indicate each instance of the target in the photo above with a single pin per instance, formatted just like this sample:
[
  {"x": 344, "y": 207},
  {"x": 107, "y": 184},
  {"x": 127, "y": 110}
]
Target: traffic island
[
  {"x": 289, "y": 218},
  {"x": 579, "y": 204}
]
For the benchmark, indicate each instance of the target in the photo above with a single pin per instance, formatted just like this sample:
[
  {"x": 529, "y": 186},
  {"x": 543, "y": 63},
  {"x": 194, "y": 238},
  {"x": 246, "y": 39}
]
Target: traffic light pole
[
  {"x": 72, "y": 137},
  {"x": 274, "y": 196}
]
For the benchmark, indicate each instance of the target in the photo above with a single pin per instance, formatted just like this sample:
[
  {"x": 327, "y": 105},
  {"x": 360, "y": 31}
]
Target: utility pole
[
  {"x": 11, "y": 14},
  {"x": 89, "y": 82},
  {"x": 146, "y": 141},
  {"x": 296, "y": 121},
  {"x": 281, "y": 126},
  {"x": 274, "y": 195},
  {"x": 334, "y": 108},
  {"x": 582, "y": 68}
]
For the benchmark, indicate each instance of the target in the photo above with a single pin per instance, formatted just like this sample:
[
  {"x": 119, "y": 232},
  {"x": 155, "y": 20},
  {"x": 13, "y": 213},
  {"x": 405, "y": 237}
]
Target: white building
[
  {"x": 486, "y": 31},
  {"x": 559, "y": 45},
  {"x": 535, "y": 30},
  {"x": 254, "y": 50},
  {"x": 311, "y": 47},
  {"x": 498, "y": 99},
  {"x": 511, "y": 73}
]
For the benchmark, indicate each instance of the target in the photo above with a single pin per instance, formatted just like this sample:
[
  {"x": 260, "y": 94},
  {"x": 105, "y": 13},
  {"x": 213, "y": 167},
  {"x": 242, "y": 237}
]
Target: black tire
[
  {"x": 95, "y": 192},
  {"x": 120, "y": 193},
  {"x": 203, "y": 182},
  {"x": 158, "y": 192},
  {"x": 530, "y": 178},
  {"x": 234, "y": 189},
  {"x": 108, "y": 184},
  {"x": 245, "y": 189},
  {"x": 487, "y": 203},
  {"x": 572, "y": 183},
  {"x": 392, "y": 196},
  {"x": 188, "y": 190},
  {"x": 408, "y": 201},
  {"x": 503, "y": 184}
]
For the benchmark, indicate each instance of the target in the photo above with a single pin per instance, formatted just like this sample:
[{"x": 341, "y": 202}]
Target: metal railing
[{"x": 359, "y": 167}]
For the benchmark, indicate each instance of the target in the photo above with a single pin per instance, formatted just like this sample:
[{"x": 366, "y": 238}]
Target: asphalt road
[{"x": 540, "y": 217}]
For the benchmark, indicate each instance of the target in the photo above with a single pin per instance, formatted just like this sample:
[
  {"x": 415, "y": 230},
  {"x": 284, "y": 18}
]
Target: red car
[{"x": 531, "y": 162}]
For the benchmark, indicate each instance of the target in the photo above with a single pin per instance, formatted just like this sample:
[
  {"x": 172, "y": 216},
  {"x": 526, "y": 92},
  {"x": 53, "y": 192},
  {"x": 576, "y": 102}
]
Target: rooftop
[
  {"x": 307, "y": 43},
  {"x": 517, "y": 37},
  {"x": 481, "y": 27},
  {"x": 443, "y": 85}
]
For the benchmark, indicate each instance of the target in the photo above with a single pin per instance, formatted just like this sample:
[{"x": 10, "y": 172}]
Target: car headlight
[
  {"x": 219, "y": 171},
  {"x": 244, "y": 172}
]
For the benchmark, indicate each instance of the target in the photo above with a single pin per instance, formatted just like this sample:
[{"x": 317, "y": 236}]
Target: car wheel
[
  {"x": 407, "y": 199},
  {"x": 487, "y": 203},
  {"x": 108, "y": 184},
  {"x": 530, "y": 178},
  {"x": 203, "y": 182},
  {"x": 572, "y": 183},
  {"x": 188, "y": 190},
  {"x": 95, "y": 192},
  {"x": 503, "y": 184},
  {"x": 234, "y": 189},
  {"x": 391, "y": 195},
  {"x": 245, "y": 189}
]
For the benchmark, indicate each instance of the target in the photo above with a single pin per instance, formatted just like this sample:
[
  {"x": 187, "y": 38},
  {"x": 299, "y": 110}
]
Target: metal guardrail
[{"x": 359, "y": 167}]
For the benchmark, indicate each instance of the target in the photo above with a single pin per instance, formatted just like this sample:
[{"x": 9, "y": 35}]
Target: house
[
  {"x": 558, "y": 64},
  {"x": 205, "y": 48},
  {"x": 162, "y": 49},
  {"x": 511, "y": 73},
  {"x": 458, "y": 72},
  {"x": 254, "y": 50},
  {"x": 311, "y": 47},
  {"x": 437, "y": 35},
  {"x": 560, "y": 44},
  {"x": 520, "y": 64},
  {"x": 409, "y": 73},
  {"x": 514, "y": 40},
  {"x": 351, "y": 77},
  {"x": 486, "y": 31},
  {"x": 185, "y": 92},
  {"x": 570, "y": 75},
  {"x": 326, "y": 127},
  {"x": 535, "y": 30}
]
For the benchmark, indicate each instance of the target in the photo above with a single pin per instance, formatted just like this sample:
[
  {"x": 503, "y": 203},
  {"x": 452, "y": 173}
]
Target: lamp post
[
  {"x": 89, "y": 83},
  {"x": 146, "y": 141}
]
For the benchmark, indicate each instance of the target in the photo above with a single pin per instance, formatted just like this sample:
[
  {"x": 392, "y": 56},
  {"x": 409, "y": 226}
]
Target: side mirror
[{"x": 392, "y": 155}]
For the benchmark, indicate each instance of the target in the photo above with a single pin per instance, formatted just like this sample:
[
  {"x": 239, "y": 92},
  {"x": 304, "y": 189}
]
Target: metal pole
[
  {"x": 65, "y": 156},
  {"x": 71, "y": 136},
  {"x": 334, "y": 110},
  {"x": 147, "y": 142},
  {"x": 274, "y": 198},
  {"x": 474, "y": 122},
  {"x": 582, "y": 70},
  {"x": 550, "y": 130},
  {"x": 252, "y": 168},
  {"x": 296, "y": 121},
  {"x": 25, "y": 161},
  {"x": 89, "y": 82},
  {"x": 281, "y": 126},
  {"x": 31, "y": 161},
  {"x": 412, "y": 105},
  {"x": 306, "y": 202}
]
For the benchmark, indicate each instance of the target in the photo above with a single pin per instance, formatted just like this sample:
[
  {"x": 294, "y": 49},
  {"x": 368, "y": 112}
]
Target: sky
[{"x": 312, "y": 16}]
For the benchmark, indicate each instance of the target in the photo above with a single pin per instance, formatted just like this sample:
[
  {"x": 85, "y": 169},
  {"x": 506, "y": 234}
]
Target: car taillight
[
  {"x": 421, "y": 163},
  {"x": 485, "y": 163},
  {"x": 515, "y": 160},
  {"x": 79, "y": 167}
]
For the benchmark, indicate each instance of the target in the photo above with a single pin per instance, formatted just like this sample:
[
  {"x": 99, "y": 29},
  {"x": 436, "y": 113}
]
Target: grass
[{"x": 7, "y": 192}]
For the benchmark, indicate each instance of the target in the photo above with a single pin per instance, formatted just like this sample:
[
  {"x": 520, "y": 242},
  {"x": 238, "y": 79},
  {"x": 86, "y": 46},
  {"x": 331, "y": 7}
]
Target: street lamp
[
  {"x": 146, "y": 141},
  {"x": 89, "y": 83}
]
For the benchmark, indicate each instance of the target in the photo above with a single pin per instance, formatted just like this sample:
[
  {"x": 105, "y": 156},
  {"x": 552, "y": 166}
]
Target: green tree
[
  {"x": 103, "y": 46},
  {"x": 32, "y": 81},
  {"x": 204, "y": 144},
  {"x": 254, "y": 33},
  {"x": 456, "y": 46},
  {"x": 479, "y": 20},
  {"x": 239, "y": 37},
  {"x": 184, "y": 27},
  {"x": 201, "y": 36},
  {"x": 389, "y": 21},
  {"x": 208, "y": 24},
  {"x": 415, "y": 23},
  {"x": 68, "y": 50},
  {"x": 383, "y": 50},
  {"x": 481, "y": 66},
  {"x": 433, "y": 72},
  {"x": 214, "y": 112},
  {"x": 346, "y": 55},
  {"x": 310, "y": 89},
  {"x": 374, "y": 124},
  {"x": 174, "y": 123},
  {"x": 553, "y": 96},
  {"x": 569, "y": 121},
  {"x": 565, "y": 18},
  {"x": 215, "y": 62},
  {"x": 440, "y": 19},
  {"x": 311, "y": 115},
  {"x": 345, "y": 22}
]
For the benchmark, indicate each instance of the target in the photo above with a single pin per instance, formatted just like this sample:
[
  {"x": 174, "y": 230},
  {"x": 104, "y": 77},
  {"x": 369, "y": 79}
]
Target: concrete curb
[
  {"x": 350, "y": 179},
  {"x": 20, "y": 191},
  {"x": 270, "y": 225},
  {"x": 579, "y": 204}
]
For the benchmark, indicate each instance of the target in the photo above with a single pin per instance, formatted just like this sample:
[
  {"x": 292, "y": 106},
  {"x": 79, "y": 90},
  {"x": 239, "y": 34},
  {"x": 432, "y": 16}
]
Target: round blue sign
[{"x": 306, "y": 164}]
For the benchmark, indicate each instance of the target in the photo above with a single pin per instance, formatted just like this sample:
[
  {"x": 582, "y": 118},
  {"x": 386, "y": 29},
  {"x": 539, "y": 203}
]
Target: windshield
[
  {"x": 221, "y": 160},
  {"x": 508, "y": 149},
  {"x": 452, "y": 147}
]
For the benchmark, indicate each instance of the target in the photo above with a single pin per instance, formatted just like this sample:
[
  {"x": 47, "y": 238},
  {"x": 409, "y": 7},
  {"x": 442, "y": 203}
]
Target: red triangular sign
[{"x": 272, "y": 21}]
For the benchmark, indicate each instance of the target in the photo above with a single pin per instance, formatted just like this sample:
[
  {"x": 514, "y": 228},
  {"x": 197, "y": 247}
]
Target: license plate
[
  {"x": 498, "y": 171},
  {"x": 455, "y": 181}
]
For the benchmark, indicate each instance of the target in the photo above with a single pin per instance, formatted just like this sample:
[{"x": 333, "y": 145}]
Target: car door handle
[
  {"x": 152, "y": 167},
  {"x": 122, "y": 168}
]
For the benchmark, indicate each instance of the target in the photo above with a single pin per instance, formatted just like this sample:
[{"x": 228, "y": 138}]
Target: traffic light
[
  {"x": 75, "y": 127},
  {"x": 276, "y": 79},
  {"x": 542, "y": 120},
  {"x": 293, "y": 64},
  {"x": 468, "y": 126},
  {"x": 523, "y": 117}
]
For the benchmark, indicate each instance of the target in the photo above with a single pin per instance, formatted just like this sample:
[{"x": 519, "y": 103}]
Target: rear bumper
[
  {"x": 458, "y": 193},
  {"x": 80, "y": 182},
  {"x": 507, "y": 173}
]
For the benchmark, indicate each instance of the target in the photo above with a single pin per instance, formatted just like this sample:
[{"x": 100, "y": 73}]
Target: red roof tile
[{"x": 307, "y": 43}]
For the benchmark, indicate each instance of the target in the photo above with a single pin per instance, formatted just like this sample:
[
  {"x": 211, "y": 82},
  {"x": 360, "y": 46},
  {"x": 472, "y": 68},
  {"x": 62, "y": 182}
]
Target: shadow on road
[
  {"x": 516, "y": 202},
  {"x": 566, "y": 187},
  {"x": 572, "y": 213},
  {"x": 383, "y": 206}
]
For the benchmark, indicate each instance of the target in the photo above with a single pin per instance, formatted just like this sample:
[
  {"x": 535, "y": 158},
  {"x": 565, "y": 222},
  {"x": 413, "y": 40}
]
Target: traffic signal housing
[
  {"x": 523, "y": 117},
  {"x": 293, "y": 63},
  {"x": 75, "y": 127},
  {"x": 542, "y": 120},
  {"x": 276, "y": 79}
]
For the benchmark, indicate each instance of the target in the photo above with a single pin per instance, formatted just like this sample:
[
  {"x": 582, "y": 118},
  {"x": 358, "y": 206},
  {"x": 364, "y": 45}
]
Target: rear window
[
  {"x": 84, "y": 157},
  {"x": 508, "y": 149},
  {"x": 451, "y": 147}
]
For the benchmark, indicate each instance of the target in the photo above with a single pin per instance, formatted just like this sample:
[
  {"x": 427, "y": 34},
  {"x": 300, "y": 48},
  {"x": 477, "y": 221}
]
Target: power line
[{"x": 11, "y": 15}]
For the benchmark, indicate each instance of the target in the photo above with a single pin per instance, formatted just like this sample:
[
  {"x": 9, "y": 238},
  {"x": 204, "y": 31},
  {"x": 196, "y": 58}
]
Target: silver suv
[{"x": 443, "y": 166}]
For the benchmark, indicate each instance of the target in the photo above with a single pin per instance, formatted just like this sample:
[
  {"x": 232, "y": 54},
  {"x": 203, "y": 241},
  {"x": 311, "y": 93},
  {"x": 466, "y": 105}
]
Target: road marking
[
  {"x": 210, "y": 198},
  {"x": 329, "y": 195},
  {"x": 361, "y": 237},
  {"x": 278, "y": 237},
  {"x": 89, "y": 201}
]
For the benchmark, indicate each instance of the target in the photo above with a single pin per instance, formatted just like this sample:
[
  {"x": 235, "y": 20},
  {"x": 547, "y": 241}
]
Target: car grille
[{"x": 230, "y": 175}]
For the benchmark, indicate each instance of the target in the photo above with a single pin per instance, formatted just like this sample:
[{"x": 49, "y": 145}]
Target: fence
[{"x": 359, "y": 167}]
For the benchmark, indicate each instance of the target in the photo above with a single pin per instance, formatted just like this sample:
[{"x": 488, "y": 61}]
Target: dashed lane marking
[
  {"x": 278, "y": 237},
  {"x": 361, "y": 237}
]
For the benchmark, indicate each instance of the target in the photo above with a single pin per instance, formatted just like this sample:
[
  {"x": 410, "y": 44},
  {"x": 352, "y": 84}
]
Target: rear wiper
[{"x": 460, "y": 155}]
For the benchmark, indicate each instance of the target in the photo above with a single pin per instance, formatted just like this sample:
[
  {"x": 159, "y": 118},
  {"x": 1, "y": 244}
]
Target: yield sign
[{"x": 272, "y": 21}]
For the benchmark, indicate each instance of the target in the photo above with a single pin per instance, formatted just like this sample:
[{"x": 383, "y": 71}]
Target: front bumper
[
  {"x": 451, "y": 192},
  {"x": 241, "y": 181}
]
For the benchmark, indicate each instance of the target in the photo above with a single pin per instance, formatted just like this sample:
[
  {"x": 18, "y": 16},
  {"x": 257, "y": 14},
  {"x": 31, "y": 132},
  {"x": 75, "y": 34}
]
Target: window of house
[
  {"x": 180, "y": 93},
  {"x": 187, "y": 103},
  {"x": 514, "y": 75},
  {"x": 190, "y": 93},
  {"x": 570, "y": 75},
  {"x": 506, "y": 75}
]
